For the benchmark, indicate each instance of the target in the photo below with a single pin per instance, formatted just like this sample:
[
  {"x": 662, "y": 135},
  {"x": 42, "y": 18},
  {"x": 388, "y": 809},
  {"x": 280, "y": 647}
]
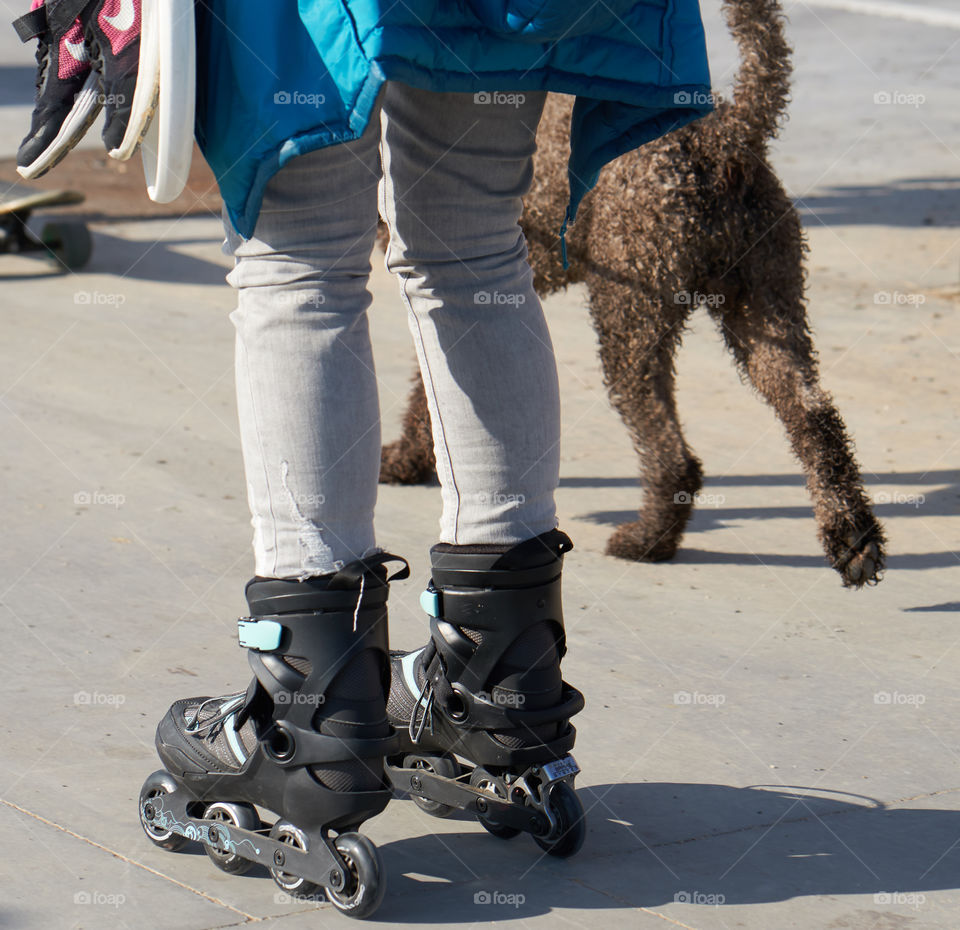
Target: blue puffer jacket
[{"x": 282, "y": 78}]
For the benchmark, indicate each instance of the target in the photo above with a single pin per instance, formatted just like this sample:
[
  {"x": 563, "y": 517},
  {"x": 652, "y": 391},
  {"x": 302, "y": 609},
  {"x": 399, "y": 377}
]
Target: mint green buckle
[
  {"x": 263, "y": 635},
  {"x": 430, "y": 602}
]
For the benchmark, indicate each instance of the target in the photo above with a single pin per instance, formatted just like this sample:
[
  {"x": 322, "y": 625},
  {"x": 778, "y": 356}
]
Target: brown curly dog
[{"x": 698, "y": 213}]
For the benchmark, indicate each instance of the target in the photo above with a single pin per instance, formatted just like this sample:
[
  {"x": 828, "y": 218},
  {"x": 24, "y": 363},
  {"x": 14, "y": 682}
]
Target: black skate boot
[
  {"x": 487, "y": 691},
  {"x": 306, "y": 741}
]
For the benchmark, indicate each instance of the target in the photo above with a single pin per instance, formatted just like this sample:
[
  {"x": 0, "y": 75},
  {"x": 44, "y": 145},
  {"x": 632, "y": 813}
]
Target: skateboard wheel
[{"x": 69, "y": 243}]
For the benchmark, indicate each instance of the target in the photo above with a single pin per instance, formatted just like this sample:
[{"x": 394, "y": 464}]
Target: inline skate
[
  {"x": 306, "y": 741},
  {"x": 482, "y": 711}
]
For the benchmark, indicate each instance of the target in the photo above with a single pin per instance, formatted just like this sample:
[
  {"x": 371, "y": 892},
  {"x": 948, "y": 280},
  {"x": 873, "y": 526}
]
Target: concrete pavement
[{"x": 761, "y": 748}]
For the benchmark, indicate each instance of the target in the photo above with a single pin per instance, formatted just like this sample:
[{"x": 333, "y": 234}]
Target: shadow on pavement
[
  {"x": 698, "y": 844},
  {"x": 131, "y": 260},
  {"x": 950, "y": 607},
  {"x": 900, "y": 561},
  {"x": 902, "y": 203},
  {"x": 944, "y": 501},
  {"x": 940, "y": 476},
  {"x": 163, "y": 261}
]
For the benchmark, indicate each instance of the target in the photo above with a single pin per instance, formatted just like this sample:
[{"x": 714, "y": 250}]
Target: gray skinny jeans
[{"x": 454, "y": 171}]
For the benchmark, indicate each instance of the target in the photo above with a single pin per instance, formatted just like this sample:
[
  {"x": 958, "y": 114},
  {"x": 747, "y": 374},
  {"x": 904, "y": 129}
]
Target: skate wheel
[
  {"x": 571, "y": 825},
  {"x": 500, "y": 831},
  {"x": 445, "y": 767},
  {"x": 485, "y": 782},
  {"x": 365, "y": 885},
  {"x": 237, "y": 815},
  {"x": 285, "y": 832},
  {"x": 69, "y": 244},
  {"x": 157, "y": 785}
]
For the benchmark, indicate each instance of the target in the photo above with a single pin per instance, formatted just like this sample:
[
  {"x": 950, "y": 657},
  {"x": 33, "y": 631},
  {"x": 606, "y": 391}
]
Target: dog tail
[{"x": 762, "y": 86}]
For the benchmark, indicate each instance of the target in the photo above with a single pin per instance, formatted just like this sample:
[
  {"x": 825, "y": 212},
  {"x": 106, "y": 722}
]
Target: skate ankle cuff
[
  {"x": 277, "y": 602},
  {"x": 533, "y": 561},
  {"x": 538, "y": 550},
  {"x": 366, "y": 578},
  {"x": 369, "y": 569},
  {"x": 466, "y": 576}
]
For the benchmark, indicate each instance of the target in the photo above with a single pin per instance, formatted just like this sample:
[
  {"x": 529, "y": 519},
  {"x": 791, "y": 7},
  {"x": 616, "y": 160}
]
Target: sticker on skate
[{"x": 562, "y": 768}]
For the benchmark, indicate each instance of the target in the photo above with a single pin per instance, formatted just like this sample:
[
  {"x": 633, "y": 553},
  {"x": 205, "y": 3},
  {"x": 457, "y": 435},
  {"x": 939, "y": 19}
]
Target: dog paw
[
  {"x": 862, "y": 567},
  {"x": 639, "y": 543},
  {"x": 860, "y": 559}
]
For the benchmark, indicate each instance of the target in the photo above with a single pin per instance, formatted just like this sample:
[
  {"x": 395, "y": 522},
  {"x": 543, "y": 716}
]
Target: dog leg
[
  {"x": 636, "y": 352},
  {"x": 771, "y": 342},
  {"x": 410, "y": 459}
]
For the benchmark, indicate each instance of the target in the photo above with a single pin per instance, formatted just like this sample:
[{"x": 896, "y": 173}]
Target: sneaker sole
[
  {"x": 147, "y": 91},
  {"x": 74, "y": 128}
]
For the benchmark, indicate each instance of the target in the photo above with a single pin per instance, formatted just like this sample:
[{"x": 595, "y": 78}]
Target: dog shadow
[
  {"x": 943, "y": 500},
  {"x": 906, "y": 202},
  {"x": 706, "y": 845}
]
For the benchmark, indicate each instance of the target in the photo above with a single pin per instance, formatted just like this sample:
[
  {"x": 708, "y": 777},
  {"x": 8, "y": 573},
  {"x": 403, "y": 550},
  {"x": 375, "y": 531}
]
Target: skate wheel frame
[
  {"x": 347, "y": 867},
  {"x": 541, "y": 801},
  {"x": 443, "y": 765},
  {"x": 485, "y": 782},
  {"x": 285, "y": 832}
]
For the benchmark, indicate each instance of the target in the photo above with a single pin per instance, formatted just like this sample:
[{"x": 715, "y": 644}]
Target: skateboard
[{"x": 66, "y": 242}]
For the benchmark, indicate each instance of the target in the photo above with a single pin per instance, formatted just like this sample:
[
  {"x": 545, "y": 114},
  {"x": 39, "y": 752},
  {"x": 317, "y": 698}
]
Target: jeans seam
[{"x": 437, "y": 421}]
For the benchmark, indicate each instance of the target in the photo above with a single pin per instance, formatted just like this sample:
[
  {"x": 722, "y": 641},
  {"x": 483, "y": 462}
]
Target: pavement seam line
[
  {"x": 645, "y": 910},
  {"x": 127, "y": 859}
]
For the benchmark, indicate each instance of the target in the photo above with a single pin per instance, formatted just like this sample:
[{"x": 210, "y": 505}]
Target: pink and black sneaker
[
  {"x": 122, "y": 38},
  {"x": 68, "y": 94},
  {"x": 92, "y": 55}
]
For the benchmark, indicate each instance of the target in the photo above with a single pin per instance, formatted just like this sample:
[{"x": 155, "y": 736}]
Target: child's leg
[
  {"x": 487, "y": 686},
  {"x": 455, "y": 171},
  {"x": 306, "y": 389},
  {"x": 307, "y": 739}
]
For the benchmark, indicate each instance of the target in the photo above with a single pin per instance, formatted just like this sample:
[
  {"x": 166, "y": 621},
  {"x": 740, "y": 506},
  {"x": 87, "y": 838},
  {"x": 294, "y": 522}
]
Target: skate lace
[
  {"x": 415, "y": 729},
  {"x": 356, "y": 612},
  {"x": 227, "y": 701}
]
